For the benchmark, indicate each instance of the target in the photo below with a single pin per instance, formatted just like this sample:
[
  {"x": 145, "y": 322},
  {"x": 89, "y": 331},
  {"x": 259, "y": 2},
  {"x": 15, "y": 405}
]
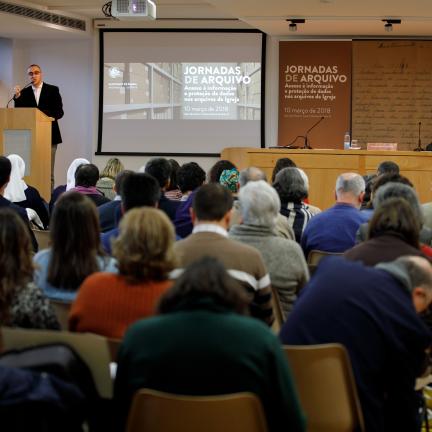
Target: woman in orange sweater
[{"x": 108, "y": 303}]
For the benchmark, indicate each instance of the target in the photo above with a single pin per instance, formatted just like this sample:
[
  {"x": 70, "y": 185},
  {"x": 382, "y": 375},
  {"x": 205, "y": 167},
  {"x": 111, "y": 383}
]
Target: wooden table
[{"x": 324, "y": 166}]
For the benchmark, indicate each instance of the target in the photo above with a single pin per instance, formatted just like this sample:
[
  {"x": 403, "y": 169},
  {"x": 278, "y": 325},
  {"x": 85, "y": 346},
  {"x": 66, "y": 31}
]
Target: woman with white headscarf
[
  {"x": 23, "y": 195},
  {"x": 70, "y": 181}
]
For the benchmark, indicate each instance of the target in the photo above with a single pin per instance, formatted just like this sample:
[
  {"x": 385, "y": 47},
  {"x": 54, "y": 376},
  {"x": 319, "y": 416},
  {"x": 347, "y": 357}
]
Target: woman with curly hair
[
  {"x": 22, "y": 303},
  {"x": 108, "y": 303}
]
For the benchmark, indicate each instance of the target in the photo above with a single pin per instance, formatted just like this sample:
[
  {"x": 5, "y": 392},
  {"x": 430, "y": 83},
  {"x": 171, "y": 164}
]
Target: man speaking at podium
[{"x": 45, "y": 97}]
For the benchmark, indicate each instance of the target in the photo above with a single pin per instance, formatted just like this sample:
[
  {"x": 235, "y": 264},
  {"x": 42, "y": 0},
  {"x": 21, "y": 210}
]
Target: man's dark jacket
[{"x": 50, "y": 103}]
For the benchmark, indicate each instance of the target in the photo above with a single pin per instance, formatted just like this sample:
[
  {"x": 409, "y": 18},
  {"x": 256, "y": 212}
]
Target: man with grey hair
[
  {"x": 251, "y": 174},
  {"x": 334, "y": 229},
  {"x": 374, "y": 313},
  {"x": 259, "y": 207},
  {"x": 282, "y": 227}
]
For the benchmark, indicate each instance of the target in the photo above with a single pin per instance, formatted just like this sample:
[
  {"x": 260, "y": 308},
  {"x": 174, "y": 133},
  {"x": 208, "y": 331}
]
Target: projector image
[{"x": 133, "y": 9}]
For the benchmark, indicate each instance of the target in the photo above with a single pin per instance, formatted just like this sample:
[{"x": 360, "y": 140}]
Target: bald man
[{"x": 334, "y": 230}]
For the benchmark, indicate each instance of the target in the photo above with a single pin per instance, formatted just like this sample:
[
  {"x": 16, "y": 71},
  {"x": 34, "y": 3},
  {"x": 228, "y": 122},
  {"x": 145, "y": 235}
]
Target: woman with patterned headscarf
[{"x": 229, "y": 179}]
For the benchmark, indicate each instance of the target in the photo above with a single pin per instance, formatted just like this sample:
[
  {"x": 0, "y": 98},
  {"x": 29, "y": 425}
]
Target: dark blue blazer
[
  {"x": 169, "y": 207},
  {"x": 371, "y": 313},
  {"x": 109, "y": 215}
]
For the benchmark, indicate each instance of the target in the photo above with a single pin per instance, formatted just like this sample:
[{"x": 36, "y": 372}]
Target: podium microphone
[
  {"x": 11, "y": 99},
  {"x": 419, "y": 146},
  {"x": 305, "y": 137}
]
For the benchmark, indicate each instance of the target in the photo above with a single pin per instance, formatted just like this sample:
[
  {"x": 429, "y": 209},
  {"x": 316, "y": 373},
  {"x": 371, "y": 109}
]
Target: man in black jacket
[{"x": 45, "y": 97}]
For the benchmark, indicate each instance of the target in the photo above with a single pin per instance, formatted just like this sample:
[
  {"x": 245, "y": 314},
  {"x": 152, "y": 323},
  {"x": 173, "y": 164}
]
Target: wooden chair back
[
  {"x": 43, "y": 238},
  {"x": 61, "y": 309},
  {"x": 326, "y": 387},
  {"x": 278, "y": 311},
  {"x": 93, "y": 349},
  {"x": 113, "y": 346},
  {"x": 315, "y": 256},
  {"x": 154, "y": 411}
]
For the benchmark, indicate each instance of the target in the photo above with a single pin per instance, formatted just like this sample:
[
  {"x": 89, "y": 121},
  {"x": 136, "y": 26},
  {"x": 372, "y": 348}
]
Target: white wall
[
  {"x": 272, "y": 92},
  {"x": 6, "y": 70}
]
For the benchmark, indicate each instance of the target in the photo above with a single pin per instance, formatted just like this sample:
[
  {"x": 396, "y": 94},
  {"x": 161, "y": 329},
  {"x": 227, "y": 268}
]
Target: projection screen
[{"x": 180, "y": 92}]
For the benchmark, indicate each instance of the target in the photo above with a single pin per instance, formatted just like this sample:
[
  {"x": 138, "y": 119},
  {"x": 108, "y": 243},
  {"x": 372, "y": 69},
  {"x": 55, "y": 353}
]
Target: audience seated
[
  {"x": 86, "y": 177},
  {"x": 211, "y": 213},
  {"x": 393, "y": 232},
  {"x": 217, "y": 169},
  {"x": 23, "y": 195},
  {"x": 282, "y": 227},
  {"x": 139, "y": 190},
  {"x": 334, "y": 229},
  {"x": 107, "y": 303},
  {"x": 5, "y": 172},
  {"x": 22, "y": 303},
  {"x": 190, "y": 176},
  {"x": 284, "y": 259},
  {"x": 173, "y": 191},
  {"x": 106, "y": 181},
  {"x": 160, "y": 169},
  {"x": 292, "y": 190},
  {"x": 374, "y": 313},
  {"x": 200, "y": 344},
  {"x": 110, "y": 212},
  {"x": 70, "y": 181},
  {"x": 280, "y": 165},
  {"x": 75, "y": 249}
]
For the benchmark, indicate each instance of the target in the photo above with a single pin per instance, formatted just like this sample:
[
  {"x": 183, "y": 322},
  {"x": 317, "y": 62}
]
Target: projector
[{"x": 133, "y": 9}]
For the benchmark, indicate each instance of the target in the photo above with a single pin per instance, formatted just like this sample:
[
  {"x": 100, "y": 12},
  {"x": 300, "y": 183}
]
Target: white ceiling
[{"x": 323, "y": 17}]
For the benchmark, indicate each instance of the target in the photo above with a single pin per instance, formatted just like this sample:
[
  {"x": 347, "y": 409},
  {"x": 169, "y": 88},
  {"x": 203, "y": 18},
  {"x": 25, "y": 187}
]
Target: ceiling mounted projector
[{"x": 133, "y": 9}]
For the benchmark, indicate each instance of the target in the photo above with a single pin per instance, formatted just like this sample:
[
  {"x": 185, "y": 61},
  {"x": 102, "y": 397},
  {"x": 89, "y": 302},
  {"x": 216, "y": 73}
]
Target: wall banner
[{"x": 314, "y": 86}]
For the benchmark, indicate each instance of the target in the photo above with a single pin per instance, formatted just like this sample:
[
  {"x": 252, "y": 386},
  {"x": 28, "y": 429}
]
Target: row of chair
[
  {"x": 315, "y": 256},
  {"x": 324, "y": 382},
  {"x": 322, "y": 374}
]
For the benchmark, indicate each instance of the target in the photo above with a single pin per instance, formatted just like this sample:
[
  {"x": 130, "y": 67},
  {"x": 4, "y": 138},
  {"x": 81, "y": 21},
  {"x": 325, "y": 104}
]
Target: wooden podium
[
  {"x": 27, "y": 132},
  {"x": 324, "y": 166}
]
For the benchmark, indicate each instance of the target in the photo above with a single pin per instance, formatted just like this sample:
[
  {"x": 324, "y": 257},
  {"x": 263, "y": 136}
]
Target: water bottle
[{"x": 347, "y": 141}]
